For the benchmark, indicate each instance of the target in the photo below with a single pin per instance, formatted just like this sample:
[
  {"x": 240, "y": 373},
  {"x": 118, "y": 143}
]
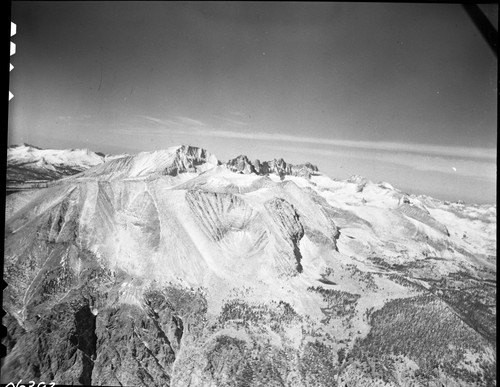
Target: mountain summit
[
  {"x": 171, "y": 161},
  {"x": 26, "y": 161},
  {"x": 242, "y": 164},
  {"x": 172, "y": 268}
]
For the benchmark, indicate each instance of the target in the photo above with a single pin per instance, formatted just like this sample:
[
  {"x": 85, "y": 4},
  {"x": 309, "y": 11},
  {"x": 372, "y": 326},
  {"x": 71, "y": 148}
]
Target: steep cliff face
[
  {"x": 242, "y": 164},
  {"x": 166, "y": 268},
  {"x": 171, "y": 161}
]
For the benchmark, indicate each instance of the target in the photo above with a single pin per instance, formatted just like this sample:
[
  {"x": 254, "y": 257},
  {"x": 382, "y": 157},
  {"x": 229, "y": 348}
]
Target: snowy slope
[
  {"x": 25, "y": 162},
  {"x": 268, "y": 275},
  {"x": 172, "y": 161}
]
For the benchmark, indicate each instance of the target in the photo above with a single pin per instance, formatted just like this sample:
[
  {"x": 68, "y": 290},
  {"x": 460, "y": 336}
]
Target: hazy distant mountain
[
  {"x": 26, "y": 162},
  {"x": 172, "y": 268}
]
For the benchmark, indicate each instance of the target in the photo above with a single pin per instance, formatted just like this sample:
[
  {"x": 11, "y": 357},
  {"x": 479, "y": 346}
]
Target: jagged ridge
[
  {"x": 242, "y": 164},
  {"x": 171, "y": 161}
]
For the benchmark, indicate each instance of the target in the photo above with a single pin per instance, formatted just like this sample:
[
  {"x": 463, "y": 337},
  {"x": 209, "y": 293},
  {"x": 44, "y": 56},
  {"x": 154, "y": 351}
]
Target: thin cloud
[
  {"x": 177, "y": 123},
  {"x": 481, "y": 169},
  {"x": 189, "y": 121},
  {"x": 77, "y": 118},
  {"x": 238, "y": 114},
  {"x": 480, "y": 153},
  {"x": 198, "y": 128},
  {"x": 235, "y": 122},
  {"x": 234, "y": 119},
  {"x": 152, "y": 119}
]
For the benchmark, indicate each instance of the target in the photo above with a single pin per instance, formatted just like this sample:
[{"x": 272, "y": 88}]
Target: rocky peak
[
  {"x": 196, "y": 155},
  {"x": 171, "y": 161},
  {"x": 360, "y": 182},
  {"x": 241, "y": 164},
  {"x": 279, "y": 166},
  {"x": 187, "y": 158},
  {"x": 357, "y": 179}
]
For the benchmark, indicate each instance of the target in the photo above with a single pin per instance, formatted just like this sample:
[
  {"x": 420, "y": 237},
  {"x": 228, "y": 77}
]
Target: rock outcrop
[
  {"x": 171, "y": 161},
  {"x": 242, "y": 164}
]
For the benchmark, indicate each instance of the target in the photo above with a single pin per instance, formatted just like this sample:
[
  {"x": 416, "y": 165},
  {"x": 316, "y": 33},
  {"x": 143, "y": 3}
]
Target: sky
[{"x": 397, "y": 92}]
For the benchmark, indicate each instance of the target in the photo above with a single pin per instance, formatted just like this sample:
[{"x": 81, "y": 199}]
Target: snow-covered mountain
[
  {"x": 279, "y": 167},
  {"x": 149, "y": 165},
  {"x": 27, "y": 163},
  {"x": 172, "y": 268}
]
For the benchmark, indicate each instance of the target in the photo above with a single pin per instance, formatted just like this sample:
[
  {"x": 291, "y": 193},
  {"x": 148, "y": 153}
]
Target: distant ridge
[
  {"x": 25, "y": 145},
  {"x": 242, "y": 164},
  {"x": 26, "y": 162},
  {"x": 51, "y": 164}
]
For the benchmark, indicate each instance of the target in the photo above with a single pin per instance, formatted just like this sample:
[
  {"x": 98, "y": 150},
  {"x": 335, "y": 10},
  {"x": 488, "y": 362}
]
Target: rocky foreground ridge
[{"x": 172, "y": 268}]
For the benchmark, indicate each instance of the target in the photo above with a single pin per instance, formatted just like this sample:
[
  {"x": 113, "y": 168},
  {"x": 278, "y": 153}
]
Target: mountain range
[{"x": 173, "y": 268}]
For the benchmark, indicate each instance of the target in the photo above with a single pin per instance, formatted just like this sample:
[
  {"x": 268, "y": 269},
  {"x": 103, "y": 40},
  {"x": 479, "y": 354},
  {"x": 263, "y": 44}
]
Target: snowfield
[{"x": 283, "y": 270}]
